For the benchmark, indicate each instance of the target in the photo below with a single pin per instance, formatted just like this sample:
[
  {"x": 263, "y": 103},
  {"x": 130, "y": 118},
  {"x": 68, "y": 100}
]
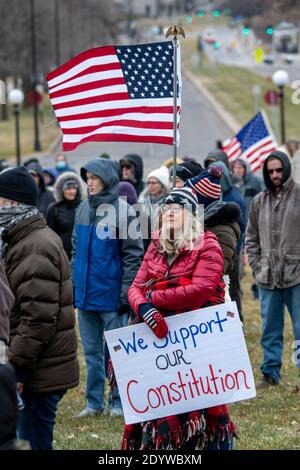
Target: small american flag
[
  {"x": 116, "y": 93},
  {"x": 254, "y": 142}
]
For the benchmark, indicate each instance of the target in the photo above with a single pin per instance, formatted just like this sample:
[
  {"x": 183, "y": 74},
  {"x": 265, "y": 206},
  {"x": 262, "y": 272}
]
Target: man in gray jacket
[
  {"x": 105, "y": 262},
  {"x": 273, "y": 247}
]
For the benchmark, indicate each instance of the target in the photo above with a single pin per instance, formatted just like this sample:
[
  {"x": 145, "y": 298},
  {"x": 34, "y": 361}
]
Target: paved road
[
  {"x": 241, "y": 55},
  {"x": 227, "y": 54},
  {"x": 199, "y": 128}
]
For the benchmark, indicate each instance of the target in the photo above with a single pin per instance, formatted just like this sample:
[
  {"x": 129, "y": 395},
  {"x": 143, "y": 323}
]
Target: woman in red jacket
[{"x": 181, "y": 271}]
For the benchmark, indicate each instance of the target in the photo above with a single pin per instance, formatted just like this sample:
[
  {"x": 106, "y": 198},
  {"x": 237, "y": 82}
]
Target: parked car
[{"x": 269, "y": 59}]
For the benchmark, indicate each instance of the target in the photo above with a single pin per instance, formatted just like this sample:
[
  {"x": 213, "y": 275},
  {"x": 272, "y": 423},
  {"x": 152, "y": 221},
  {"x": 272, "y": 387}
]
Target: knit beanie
[
  {"x": 207, "y": 185},
  {"x": 161, "y": 174},
  {"x": 127, "y": 190},
  {"x": 186, "y": 197},
  {"x": 16, "y": 184},
  {"x": 187, "y": 170},
  {"x": 71, "y": 183}
]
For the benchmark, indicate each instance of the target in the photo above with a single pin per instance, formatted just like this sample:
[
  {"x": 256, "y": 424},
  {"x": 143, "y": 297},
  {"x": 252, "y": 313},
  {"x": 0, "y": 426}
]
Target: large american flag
[
  {"x": 253, "y": 142},
  {"x": 116, "y": 93}
]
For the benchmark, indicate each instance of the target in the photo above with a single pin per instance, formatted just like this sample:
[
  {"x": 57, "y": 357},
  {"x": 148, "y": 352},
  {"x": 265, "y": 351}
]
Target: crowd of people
[{"x": 67, "y": 253}]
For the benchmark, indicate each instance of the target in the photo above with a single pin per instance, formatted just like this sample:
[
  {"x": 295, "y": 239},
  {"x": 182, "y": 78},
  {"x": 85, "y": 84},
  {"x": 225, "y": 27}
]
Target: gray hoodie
[{"x": 273, "y": 231}]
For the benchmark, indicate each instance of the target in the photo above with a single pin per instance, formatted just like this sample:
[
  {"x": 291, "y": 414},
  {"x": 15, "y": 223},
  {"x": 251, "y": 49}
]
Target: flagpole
[{"x": 174, "y": 31}]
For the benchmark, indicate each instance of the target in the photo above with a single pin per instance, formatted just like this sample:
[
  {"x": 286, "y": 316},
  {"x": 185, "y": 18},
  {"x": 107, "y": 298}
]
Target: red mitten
[{"x": 154, "y": 319}]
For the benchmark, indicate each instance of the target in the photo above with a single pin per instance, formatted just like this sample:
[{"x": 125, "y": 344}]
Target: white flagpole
[{"x": 175, "y": 30}]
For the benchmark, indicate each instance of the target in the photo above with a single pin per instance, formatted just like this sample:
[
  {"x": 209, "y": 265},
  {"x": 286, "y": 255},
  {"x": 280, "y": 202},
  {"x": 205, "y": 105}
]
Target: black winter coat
[
  {"x": 61, "y": 214},
  {"x": 223, "y": 219}
]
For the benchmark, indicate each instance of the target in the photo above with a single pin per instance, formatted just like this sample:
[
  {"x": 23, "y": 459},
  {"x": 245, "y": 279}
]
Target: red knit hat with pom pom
[{"x": 207, "y": 185}]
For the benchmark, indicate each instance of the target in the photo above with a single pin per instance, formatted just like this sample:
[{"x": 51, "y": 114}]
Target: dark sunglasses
[
  {"x": 126, "y": 165},
  {"x": 277, "y": 170}
]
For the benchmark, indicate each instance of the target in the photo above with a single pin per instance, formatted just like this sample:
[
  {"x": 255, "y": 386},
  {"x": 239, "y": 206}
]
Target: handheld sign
[{"x": 202, "y": 362}]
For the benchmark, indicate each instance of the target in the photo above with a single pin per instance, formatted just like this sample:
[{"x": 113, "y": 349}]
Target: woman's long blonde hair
[{"x": 191, "y": 232}]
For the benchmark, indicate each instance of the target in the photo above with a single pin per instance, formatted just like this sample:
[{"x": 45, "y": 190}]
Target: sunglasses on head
[
  {"x": 276, "y": 170},
  {"x": 126, "y": 165}
]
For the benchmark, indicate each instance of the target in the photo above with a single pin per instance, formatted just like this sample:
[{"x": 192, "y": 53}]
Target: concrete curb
[{"x": 224, "y": 115}]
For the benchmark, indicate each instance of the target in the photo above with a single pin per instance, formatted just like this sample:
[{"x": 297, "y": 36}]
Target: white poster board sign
[{"x": 202, "y": 362}]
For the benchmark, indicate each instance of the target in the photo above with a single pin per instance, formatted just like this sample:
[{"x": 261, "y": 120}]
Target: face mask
[{"x": 61, "y": 165}]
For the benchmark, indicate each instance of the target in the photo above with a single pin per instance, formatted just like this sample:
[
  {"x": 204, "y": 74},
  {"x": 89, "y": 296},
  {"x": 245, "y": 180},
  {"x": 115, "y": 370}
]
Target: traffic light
[
  {"x": 216, "y": 13},
  {"x": 216, "y": 45},
  {"x": 201, "y": 13},
  {"x": 246, "y": 30},
  {"x": 269, "y": 30}
]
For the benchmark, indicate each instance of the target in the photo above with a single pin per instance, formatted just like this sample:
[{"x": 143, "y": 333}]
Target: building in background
[
  {"x": 286, "y": 38},
  {"x": 154, "y": 8}
]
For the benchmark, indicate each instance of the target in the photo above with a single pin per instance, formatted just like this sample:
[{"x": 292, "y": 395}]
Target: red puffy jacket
[{"x": 202, "y": 266}]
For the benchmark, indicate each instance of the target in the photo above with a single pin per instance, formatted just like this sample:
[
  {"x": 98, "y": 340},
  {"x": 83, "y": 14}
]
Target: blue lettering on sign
[
  {"x": 186, "y": 336},
  {"x": 190, "y": 334},
  {"x": 134, "y": 344}
]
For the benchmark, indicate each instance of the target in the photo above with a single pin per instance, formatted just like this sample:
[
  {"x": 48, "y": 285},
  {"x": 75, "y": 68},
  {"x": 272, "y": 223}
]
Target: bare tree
[{"x": 72, "y": 27}]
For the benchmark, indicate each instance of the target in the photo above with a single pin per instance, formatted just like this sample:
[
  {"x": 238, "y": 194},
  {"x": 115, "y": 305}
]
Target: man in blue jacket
[{"x": 105, "y": 262}]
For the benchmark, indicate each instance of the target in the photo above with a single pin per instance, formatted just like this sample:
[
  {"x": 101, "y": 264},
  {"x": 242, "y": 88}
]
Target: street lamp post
[
  {"x": 37, "y": 143},
  {"x": 16, "y": 98},
  {"x": 281, "y": 79},
  {"x": 56, "y": 33}
]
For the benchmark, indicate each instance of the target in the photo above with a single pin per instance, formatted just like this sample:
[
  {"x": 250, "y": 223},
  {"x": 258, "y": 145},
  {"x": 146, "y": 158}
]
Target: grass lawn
[
  {"x": 269, "y": 421},
  {"x": 233, "y": 88},
  {"x": 48, "y": 132}
]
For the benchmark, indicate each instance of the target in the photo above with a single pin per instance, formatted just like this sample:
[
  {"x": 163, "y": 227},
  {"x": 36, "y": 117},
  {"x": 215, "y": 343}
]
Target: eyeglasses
[
  {"x": 175, "y": 208},
  {"x": 127, "y": 165},
  {"x": 276, "y": 170}
]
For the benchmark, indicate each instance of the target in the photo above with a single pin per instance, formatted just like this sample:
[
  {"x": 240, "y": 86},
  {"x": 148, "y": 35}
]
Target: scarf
[{"x": 10, "y": 216}]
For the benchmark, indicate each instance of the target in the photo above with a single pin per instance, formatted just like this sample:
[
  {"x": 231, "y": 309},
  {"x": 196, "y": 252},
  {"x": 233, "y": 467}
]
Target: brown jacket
[
  {"x": 43, "y": 340},
  {"x": 222, "y": 219},
  {"x": 228, "y": 236},
  {"x": 6, "y": 304},
  {"x": 273, "y": 237}
]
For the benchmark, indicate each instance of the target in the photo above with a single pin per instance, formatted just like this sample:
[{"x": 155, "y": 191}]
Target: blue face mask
[{"x": 61, "y": 165}]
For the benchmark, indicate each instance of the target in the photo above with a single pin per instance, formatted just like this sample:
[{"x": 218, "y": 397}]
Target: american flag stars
[{"x": 153, "y": 67}]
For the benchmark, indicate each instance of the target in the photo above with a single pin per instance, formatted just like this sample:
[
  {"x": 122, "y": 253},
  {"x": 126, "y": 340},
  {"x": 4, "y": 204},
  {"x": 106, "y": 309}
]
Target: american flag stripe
[
  {"x": 130, "y": 130},
  {"x": 99, "y": 72},
  {"x": 257, "y": 147},
  {"x": 118, "y": 138},
  {"x": 96, "y": 56},
  {"x": 166, "y": 110},
  {"x": 157, "y": 124},
  {"x": 115, "y": 104},
  {"x": 94, "y": 95},
  {"x": 81, "y": 91},
  {"x": 120, "y": 122},
  {"x": 233, "y": 149},
  {"x": 253, "y": 142},
  {"x": 267, "y": 149},
  {"x": 113, "y": 93},
  {"x": 98, "y": 121},
  {"x": 210, "y": 189},
  {"x": 130, "y": 136},
  {"x": 261, "y": 155}
]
